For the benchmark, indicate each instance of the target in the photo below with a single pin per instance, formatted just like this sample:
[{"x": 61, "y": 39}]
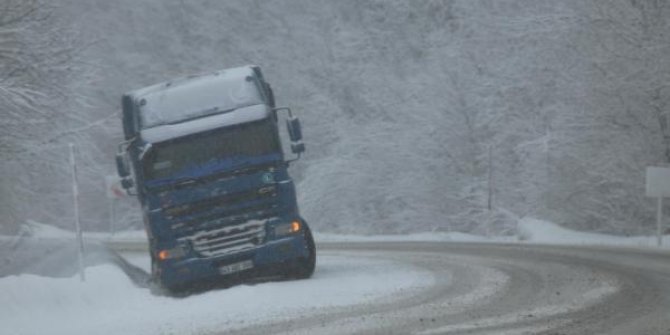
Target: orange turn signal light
[
  {"x": 295, "y": 226},
  {"x": 163, "y": 255},
  {"x": 288, "y": 228}
]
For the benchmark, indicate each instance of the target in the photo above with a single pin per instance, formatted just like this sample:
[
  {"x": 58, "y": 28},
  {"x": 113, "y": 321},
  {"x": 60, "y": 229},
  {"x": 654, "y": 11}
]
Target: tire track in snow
[{"x": 506, "y": 289}]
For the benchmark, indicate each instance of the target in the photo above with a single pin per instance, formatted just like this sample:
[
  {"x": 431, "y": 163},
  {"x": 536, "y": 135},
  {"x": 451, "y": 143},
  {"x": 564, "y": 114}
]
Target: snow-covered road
[
  {"x": 374, "y": 288},
  {"x": 507, "y": 289}
]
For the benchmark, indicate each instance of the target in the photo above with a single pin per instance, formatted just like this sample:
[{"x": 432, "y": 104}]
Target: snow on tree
[
  {"x": 43, "y": 108},
  {"x": 402, "y": 102}
]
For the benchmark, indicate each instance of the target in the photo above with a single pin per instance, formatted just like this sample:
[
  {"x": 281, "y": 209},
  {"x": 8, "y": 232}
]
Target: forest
[{"x": 418, "y": 116}]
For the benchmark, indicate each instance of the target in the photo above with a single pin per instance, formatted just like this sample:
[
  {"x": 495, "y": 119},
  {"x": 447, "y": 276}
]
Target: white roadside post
[
  {"x": 75, "y": 195},
  {"x": 489, "y": 202},
  {"x": 658, "y": 186}
]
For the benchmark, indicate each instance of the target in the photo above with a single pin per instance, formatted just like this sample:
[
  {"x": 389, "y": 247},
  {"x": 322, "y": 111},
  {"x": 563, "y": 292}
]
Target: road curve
[{"x": 504, "y": 289}]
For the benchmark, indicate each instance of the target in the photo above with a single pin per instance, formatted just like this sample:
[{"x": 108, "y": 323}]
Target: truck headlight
[{"x": 288, "y": 228}]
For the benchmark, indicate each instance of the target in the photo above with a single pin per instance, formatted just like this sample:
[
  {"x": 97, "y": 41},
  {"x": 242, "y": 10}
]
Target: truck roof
[
  {"x": 172, "y": 131},
  {"x": 191, "y": 97}
]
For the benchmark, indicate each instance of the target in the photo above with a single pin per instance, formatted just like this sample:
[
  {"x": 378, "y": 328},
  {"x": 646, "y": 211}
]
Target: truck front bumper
[{"x": 269, "y": 257}]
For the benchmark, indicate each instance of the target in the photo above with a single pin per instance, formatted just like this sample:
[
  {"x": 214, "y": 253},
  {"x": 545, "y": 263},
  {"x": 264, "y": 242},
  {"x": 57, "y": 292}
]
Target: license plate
[{"x": 236, "y": 267}]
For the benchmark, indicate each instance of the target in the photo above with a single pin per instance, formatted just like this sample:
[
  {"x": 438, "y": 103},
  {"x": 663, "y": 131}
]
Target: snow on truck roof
[
  {"x": 192, "y": 97},
  {"x": 171, "y": 131}
]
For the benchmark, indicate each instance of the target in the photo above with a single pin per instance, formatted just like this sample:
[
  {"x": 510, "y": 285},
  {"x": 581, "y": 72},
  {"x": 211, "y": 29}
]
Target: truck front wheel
[
  {"x": 156, "y": 285},
  {"x": 303, "y": 267}
]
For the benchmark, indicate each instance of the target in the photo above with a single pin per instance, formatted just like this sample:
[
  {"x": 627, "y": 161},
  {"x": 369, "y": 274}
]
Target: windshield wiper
[{"x": 145, "y": 149}]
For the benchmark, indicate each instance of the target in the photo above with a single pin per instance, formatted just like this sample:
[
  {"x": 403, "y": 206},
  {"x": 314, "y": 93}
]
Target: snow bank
[
  {"x": 418, "y": 237},
  {"x": 544, "y": 232},
  {"x": 529, "y": 230},
  {"x": 108, "y": 303},
  {"x": 39, "y": 230}
]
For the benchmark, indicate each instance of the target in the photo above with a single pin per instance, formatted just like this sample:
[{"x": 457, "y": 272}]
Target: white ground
[
  {"x": 108, "y": 303},
  {"x": 529, "y": 230}
]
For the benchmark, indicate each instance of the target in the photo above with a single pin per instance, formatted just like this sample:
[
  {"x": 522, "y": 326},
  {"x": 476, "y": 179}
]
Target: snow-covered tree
[
  {"x": 42, "y": 111},
  {"x": 402, "y": 102}
]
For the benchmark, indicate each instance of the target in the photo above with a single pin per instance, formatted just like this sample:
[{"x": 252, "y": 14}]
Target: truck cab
[{"x": 203, "y": 155}]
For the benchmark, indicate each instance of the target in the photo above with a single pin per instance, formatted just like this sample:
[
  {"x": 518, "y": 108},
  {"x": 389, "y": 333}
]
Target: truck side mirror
[
  {"x": 127, "y": 183},
  {"x": 294, "y": 132},
  {"x": 298, "y": 148},
  {"x": 122, "y": 166},
  {"x": 294, "y": 129}
]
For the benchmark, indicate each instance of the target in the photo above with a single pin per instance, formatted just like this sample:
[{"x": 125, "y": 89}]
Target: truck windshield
[{"x": 172, "y": 157}]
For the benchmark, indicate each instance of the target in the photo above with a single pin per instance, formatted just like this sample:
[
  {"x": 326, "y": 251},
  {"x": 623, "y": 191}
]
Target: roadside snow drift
[{"x": 108, "y": 302}]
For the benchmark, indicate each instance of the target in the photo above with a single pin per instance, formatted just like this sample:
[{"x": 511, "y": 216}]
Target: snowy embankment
[
  {"x": 529, "y": 230},
  {"x": 108, "y": 303}
]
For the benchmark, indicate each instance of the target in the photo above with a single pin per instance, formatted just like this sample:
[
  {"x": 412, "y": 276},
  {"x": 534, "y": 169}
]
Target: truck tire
[
  {"x": 303, "y": 267},
  {"x": 156, "y": 286}
]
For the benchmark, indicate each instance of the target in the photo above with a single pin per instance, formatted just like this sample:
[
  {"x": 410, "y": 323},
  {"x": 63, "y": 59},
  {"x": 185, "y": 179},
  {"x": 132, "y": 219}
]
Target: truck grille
[
  {"x": 224, "y": 224},
  {"x": 228, "y": 239},
  {"x": 220, "y": 202}
]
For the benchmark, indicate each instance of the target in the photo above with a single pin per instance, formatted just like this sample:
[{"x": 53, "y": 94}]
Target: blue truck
[{"x": 205, "y": 158}]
